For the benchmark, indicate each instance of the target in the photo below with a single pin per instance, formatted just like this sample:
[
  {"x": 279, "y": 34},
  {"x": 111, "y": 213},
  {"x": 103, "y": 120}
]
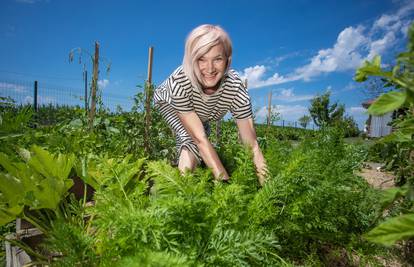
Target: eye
[{"x": 201, "y": 59}]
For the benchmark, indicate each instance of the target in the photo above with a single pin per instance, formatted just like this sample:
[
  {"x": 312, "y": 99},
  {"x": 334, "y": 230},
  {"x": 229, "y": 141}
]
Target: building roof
[{"x": 368, "y": 103}]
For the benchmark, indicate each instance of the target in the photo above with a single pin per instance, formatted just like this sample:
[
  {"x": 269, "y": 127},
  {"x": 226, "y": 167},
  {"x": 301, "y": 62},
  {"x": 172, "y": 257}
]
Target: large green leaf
[
  {"x": 372, "y": 68},
  {"x": 399, "y": 136},
  {"x": 49, "y": 166},
  {"x": 11, "y": 188},
  {"x": 48, "y": 193},
  {"x": 391, "y": 194},
  {"x": 387, "y": 103},
  {"x": 39, "y": 182},
  {"x": 392, "y": 230},
  {"x": 11, "y": 198},
  {"x": 8, "y": 214}
]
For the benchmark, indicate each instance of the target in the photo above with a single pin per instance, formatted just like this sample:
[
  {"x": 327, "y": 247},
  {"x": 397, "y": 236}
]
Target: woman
[{"x": 203, "y": 89}]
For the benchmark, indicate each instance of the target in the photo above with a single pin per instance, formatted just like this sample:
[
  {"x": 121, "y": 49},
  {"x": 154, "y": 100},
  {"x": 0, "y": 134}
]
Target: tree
[
  {"x": 349, "y": 126},
  {"x": 304, "y": 121},
  {"x": 324, "y": 114}
]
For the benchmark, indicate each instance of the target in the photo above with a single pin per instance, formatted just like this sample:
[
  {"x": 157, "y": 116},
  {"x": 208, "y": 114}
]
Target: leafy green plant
[
  {"x": 401, "y": 78},
  {"x": 323, "y": 113},
  {"x": 39, "y": 182}
]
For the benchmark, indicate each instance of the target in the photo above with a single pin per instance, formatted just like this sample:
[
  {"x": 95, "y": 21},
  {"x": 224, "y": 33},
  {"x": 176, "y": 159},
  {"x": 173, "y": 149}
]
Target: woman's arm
[
  {"x": 248, "y": 136},
  {"x": 195, "y": 129}
]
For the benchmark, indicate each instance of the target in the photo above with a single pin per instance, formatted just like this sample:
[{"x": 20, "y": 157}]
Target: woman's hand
[
  {"x": 195, "y": 129},
  {"x": 248, "y": 136}
]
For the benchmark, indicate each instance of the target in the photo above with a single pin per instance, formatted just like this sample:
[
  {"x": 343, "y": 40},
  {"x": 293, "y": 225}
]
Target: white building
[{"x": 378, "y": 126}]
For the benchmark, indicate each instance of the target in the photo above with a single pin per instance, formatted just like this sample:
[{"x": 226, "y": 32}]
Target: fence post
[
  {"x": 283, "y": 123},
  {"x": 35, "y": 96},
  {"x": 148, "y": 98},
  {"x": 94, "y": 85},
  {"x": 86, "y": 90},
  {"x": 295, "y": 124},
  {"x": 269, "y": 109}
]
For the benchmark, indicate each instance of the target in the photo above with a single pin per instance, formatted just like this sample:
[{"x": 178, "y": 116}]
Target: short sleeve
[
  {"x": 180, "y": 98},
  {"x": 241, "y": 107}
]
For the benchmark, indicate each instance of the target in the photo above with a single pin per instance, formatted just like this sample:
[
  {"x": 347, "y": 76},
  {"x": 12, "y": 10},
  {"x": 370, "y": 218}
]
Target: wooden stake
[
  {"x": 269, "y": 111},
  {"x": 150, "y": 52},
  {"x": 148, "y": 98},
  {"x": 94, "y": 85}
]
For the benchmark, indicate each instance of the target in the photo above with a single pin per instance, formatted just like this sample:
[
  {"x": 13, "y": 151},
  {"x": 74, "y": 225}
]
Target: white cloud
[
  {"x": 355, "y": 111},
  {"x": 287, "y": 95},
  {"x": 276, "y": 61},
  {"x": 287, "y": 112},
  {"x": 102, "y": 84},
  {"x": 255, "y": 77},
  {"x": 344, "y": 55},
  {"x": 14, "y": 87},
  {"x": 378, "y": 47},
  {"x": 41, "y": 100},
  {"x": 354, "y": 44},
  {"x": 351, "y": 86}
]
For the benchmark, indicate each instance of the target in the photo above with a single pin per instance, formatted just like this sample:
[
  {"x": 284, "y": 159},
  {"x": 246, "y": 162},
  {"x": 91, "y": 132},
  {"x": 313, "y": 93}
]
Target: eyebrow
[{"x": 220, "y": 55}]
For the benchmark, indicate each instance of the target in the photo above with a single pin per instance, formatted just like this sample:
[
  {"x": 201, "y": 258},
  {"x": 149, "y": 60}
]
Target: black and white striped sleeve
[
  {"x": 180, "y": 97},
  {"x": 241, "y": 107}
]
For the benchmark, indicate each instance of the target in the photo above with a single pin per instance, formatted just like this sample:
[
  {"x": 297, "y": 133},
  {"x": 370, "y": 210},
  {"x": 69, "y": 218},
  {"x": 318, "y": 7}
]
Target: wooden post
[
  {"x": 148, "y": 98},
  {"x": 269, "y": 111},
  {"x": 86, "y": 89},
  {"x": 150, "y": 53},
  {"x": 94, "y": 85},
  {"x": 35, "y": 97}
]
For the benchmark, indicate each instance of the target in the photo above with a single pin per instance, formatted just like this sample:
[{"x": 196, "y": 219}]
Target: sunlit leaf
[
  {"x": 387, "y": 102},
  {"x": 392, "y": 230}
]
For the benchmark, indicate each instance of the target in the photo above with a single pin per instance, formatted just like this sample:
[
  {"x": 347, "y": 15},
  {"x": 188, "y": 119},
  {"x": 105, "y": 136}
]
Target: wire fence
[
  {"x": 295, "y": 124},
  {"x": 38, "y": 94}
]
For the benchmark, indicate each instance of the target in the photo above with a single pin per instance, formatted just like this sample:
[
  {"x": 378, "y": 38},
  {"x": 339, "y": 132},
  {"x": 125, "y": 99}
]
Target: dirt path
[
  {"x": 375, "y": 177},
  {"x": 381, "y": 180}
]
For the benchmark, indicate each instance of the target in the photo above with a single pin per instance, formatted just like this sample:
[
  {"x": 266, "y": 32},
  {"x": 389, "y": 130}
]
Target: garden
[{"x": 106, "y": 192}]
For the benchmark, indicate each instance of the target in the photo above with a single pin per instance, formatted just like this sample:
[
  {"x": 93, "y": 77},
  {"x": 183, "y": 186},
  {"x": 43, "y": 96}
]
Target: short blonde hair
[{"x": 198, "y": 43}]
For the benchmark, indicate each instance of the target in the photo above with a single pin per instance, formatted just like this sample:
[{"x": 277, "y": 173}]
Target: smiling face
[{"x": 212, "y": 66}]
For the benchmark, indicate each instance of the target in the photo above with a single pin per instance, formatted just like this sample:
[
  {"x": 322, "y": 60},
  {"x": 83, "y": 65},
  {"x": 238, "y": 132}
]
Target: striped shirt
[{"x": 231, "y": 96}]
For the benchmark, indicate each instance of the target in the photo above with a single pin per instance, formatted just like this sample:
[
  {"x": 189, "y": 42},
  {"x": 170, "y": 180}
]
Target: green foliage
[
  {"x": 392, "y": 230},
  {"x": 401, "y": 78},
  {"x": 13, "y": 119},
  {"x": 387, "y": 102},
  {"x": 349, "y": 126},
  {"x": 316, "y": 198},
  {"x": 304, "y": 121},
  {"x": 39, "y": 182},
  {"x": 323, "y": 113}
]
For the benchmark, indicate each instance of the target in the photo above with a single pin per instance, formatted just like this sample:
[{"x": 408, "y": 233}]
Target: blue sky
[{"x": 297, "y": 49}]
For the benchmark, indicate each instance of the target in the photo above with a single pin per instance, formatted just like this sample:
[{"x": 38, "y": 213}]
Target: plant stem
[{"x": 25, "y": 247}]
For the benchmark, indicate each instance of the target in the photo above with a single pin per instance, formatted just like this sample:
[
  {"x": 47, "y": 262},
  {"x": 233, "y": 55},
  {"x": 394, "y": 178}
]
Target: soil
[
  {"x": 375, "y": 176},
  {"x": 373, "y": 173}
]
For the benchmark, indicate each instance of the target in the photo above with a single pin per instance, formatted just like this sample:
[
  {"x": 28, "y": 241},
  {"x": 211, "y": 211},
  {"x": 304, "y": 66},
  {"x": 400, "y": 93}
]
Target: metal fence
[
  {"x": 295, "y": 124},
  {"x": 37, "y": 93}
]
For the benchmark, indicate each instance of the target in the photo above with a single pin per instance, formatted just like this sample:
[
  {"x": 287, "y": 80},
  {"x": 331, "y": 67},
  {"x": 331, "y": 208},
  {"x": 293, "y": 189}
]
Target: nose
[{"x": 210, "y": 66}]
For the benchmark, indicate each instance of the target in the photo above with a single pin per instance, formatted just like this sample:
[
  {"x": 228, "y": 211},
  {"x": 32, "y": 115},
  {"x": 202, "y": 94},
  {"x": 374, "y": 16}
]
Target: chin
[{"x": 210, "y": 84}]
